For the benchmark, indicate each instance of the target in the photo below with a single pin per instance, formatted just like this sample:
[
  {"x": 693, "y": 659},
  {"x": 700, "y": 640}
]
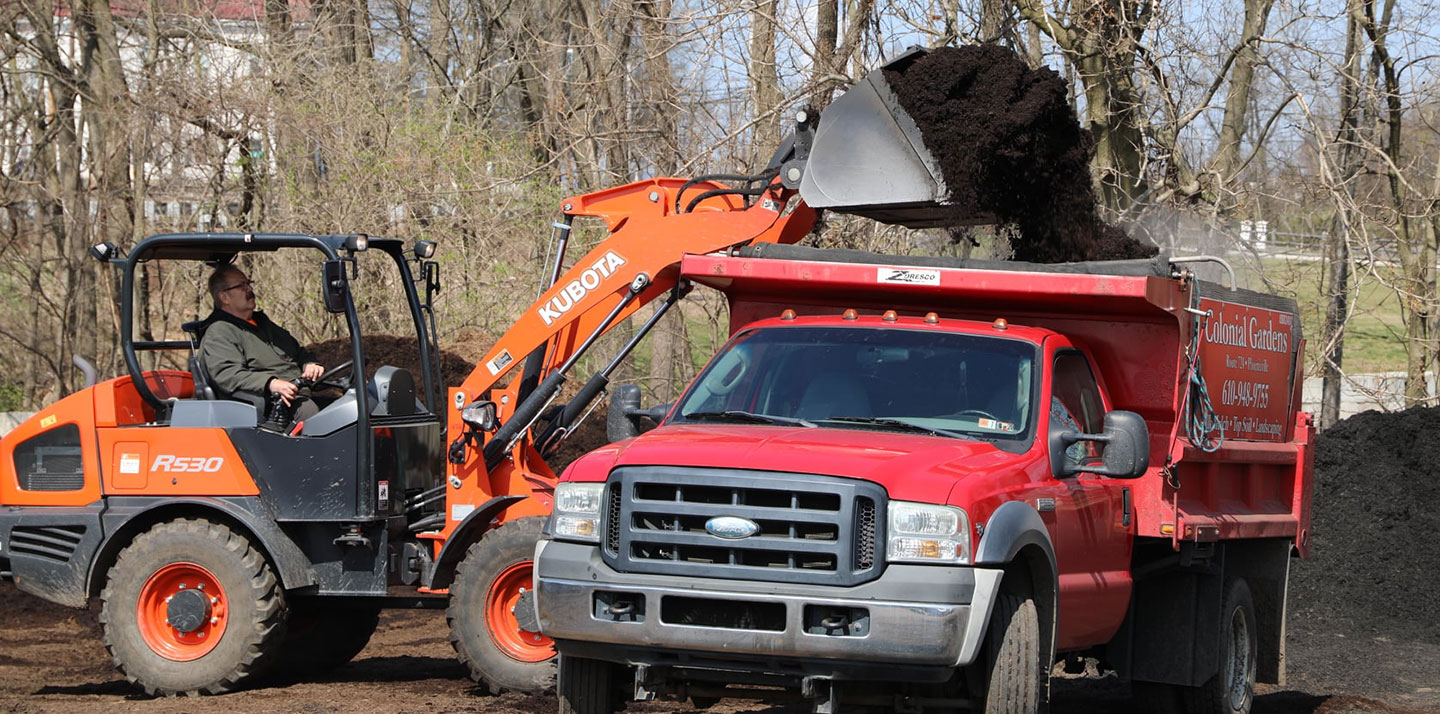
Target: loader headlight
[
  {"x": 577, "y": 511},
  {"x": 924, "y": 533}
]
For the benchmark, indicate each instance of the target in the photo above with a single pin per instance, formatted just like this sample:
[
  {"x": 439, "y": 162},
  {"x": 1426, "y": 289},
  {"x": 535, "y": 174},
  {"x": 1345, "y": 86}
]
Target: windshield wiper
[
  {"x": 906, "y": 425},
  {"x": 737, "y": 415}
]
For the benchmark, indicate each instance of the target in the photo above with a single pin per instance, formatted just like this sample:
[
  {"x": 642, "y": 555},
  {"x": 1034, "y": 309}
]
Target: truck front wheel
[
  {"x": 587, "y": 686},
  {"x": 1232, "y": 689},
  {"x": 1012, "y": 674},
  {"x": 503, "y": 651},
  {"x": 191, "y": 607}
]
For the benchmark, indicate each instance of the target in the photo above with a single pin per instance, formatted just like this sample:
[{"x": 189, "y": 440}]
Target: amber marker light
[
  {"x": 787, "y": 315},
  {"x": 1000, "y": 324},
  {"x": 849, "y": 315},
  {"x": 889, "y": 316},
  {"x": 932, "y": 319}
]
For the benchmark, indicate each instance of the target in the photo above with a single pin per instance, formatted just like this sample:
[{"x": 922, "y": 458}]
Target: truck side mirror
[
  {"x": 624, "y": 418},
  {"x": 1126, "y": 440},
  {"x": 334, "y": 286}
]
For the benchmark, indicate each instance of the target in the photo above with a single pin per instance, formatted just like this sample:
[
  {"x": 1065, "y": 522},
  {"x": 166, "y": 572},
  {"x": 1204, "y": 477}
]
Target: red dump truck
[{"x": 921, "y": 483}]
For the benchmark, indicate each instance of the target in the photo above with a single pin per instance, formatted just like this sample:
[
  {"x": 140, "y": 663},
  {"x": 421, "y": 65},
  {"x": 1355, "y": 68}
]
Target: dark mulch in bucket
[{"x": 1009, "y": 144}]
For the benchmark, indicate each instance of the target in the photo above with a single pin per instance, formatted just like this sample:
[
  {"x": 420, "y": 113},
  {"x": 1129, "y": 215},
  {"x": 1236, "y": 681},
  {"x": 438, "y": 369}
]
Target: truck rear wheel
[
  {"x": 587, "y": 686},
  {"x": 495, "y": 577},
  {"x": 191, "y": 607},
  {"x": 1012, "y": 667},
  {"x": 1232, "y": 689},
  {"x": 322, "y": 635}
]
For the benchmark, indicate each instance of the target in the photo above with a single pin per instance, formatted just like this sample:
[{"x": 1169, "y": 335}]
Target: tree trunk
[
  {"x": 1338, "y": 252},
  {"x": 764, "y": 83}
]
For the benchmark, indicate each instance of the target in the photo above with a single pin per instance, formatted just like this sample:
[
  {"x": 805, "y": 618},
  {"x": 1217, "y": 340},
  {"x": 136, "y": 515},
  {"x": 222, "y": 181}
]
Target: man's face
[{"x": 237, "y": 296}]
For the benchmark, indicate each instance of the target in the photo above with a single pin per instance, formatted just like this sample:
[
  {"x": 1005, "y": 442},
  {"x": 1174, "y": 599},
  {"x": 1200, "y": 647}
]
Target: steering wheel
[
  {"x": 977, "y": 412},
  {"x": 342, "y": 369}
]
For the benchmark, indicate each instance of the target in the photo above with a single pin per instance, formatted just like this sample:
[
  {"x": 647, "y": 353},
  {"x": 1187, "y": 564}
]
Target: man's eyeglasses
[{"x": 245, "y": 284}]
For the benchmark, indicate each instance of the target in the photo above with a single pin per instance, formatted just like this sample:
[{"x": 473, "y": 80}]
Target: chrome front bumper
[{"x": 918, "y": 615}]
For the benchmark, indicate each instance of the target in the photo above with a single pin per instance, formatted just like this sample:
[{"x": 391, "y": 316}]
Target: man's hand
[
  {"x": 284, "y": 387},
  {"x": 312, "y": 371}
]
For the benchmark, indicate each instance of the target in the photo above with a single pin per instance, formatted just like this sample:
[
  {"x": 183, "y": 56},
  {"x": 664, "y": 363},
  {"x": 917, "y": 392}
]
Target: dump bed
[{"x": 1142, "y": 325}]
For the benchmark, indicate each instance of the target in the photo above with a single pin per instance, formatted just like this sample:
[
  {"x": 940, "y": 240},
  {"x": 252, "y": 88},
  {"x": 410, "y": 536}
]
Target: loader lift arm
[{"x": 635, "y": 265}]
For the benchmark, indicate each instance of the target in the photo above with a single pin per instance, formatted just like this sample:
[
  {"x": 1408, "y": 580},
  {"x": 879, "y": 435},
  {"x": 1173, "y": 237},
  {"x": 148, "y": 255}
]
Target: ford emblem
[{"x": 731, "y": 527}]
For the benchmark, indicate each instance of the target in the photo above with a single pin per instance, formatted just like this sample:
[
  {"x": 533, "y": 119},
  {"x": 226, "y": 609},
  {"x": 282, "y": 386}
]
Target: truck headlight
[
  {"x": 577, "y": 511},
  {"x": 924, "y": 533}
]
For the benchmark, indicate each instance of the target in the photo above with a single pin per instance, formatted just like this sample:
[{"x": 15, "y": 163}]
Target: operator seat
[
  {"x": 208, "y": 408},
  {"x": 205, "y": 386},
  {"x": 834, "y": 394}
]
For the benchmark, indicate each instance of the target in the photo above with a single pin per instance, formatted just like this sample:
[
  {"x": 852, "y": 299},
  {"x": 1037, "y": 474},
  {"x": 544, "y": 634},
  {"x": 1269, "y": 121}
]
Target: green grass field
[{"x": 1374, "y": 336}]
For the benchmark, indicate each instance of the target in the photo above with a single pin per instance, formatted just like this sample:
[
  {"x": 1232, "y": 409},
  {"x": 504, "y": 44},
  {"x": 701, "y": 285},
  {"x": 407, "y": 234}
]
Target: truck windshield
[{"x": 888, "y": 379}]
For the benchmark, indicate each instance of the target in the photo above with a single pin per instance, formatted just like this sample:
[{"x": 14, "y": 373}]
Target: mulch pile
[
  {"x": 458, "y": 357},
  {"x": 1375, "y": 564},
  {"x": 1009, "y": 145}
]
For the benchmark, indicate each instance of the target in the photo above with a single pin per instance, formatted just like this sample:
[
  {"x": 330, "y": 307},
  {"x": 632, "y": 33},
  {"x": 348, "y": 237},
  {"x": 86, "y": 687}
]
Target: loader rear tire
[
  {"x": 322, "y": 635},
  {"x": 191, "y": 607},
  {"x": 587, "y": 686},
  {"x": 1012, "y": 678},
  {"x": 484, "y": 630}
]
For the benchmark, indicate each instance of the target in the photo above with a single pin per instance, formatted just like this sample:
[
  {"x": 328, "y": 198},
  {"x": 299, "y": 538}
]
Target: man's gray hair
[{"x": 217, "y": 281}]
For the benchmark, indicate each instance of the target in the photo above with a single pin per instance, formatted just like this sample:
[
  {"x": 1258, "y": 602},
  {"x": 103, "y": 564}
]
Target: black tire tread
[
  {"x": 520, "y": 533},
  {"x": 1210, "y": 697},
  {"x": 586, "y": 686},
  {"x": 263, "y": 633},
  {"x": 1013, "y": 643}
]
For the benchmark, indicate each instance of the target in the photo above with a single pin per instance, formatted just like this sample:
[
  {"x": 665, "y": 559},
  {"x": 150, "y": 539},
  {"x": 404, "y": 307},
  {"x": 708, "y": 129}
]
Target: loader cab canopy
[{"x": 334, "y": 286}]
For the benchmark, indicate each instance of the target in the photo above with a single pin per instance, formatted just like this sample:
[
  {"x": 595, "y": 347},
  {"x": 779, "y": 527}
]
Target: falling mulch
[{"x": 1009, "y": 144}]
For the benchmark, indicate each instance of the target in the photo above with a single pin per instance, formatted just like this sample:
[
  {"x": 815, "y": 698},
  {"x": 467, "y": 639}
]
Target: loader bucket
[{"x": 868, "y": 159}]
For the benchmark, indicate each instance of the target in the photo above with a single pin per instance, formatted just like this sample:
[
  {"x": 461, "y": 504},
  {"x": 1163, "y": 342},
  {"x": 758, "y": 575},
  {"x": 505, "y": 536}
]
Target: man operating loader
[{"x": 245, "y": 352}]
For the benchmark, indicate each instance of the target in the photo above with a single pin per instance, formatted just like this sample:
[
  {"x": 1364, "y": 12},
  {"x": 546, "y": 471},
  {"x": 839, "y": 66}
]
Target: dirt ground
[{"x": 52, "y": 660}]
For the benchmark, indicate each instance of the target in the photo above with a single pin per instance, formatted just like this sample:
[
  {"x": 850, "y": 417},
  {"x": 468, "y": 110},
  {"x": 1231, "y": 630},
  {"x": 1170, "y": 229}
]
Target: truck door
[{"x": 1089, "y": 525}]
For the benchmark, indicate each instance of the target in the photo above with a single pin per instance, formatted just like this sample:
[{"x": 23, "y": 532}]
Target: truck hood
[{"x": 908, "y": 466}]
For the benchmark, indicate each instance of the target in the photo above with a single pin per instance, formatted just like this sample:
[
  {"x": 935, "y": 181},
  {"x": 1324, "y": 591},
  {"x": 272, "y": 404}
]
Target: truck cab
[{"x": 852, "y": 502}]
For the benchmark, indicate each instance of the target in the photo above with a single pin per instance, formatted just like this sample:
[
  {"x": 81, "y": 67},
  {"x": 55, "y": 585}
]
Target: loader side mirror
[
  {"x": 626, "y": 419},
  {"x": 334, "y": 287},
  {"x": 1126, "y": 448}
]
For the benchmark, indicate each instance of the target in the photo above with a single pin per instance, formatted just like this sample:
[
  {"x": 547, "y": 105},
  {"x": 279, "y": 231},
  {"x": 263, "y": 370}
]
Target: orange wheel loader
[{"x": 220, "y": 547}]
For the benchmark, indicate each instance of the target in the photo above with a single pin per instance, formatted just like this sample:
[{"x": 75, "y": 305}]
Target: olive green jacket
[{"x": 244, "y": 357}]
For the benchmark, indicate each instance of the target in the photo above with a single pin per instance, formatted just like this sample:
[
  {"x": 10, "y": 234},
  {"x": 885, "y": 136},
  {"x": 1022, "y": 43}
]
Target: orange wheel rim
[
  {"x": 186, "y": 629},
  {"x": 505, "y": 630}
]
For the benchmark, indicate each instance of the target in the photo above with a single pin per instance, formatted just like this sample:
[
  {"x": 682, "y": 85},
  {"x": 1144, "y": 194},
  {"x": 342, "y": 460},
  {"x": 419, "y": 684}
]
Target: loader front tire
[
  {"x": 484, "y": 630},
  {"x": 191, "y": 607}
]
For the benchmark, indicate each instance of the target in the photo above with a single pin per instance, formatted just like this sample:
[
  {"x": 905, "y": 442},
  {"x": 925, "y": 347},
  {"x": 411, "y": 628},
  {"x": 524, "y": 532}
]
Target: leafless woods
[{"x": 464, "y": 121}]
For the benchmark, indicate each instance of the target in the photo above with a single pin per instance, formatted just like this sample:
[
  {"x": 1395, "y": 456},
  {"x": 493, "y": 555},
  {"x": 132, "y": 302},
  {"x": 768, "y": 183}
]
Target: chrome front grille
[{"x": 810, "y": 529}]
